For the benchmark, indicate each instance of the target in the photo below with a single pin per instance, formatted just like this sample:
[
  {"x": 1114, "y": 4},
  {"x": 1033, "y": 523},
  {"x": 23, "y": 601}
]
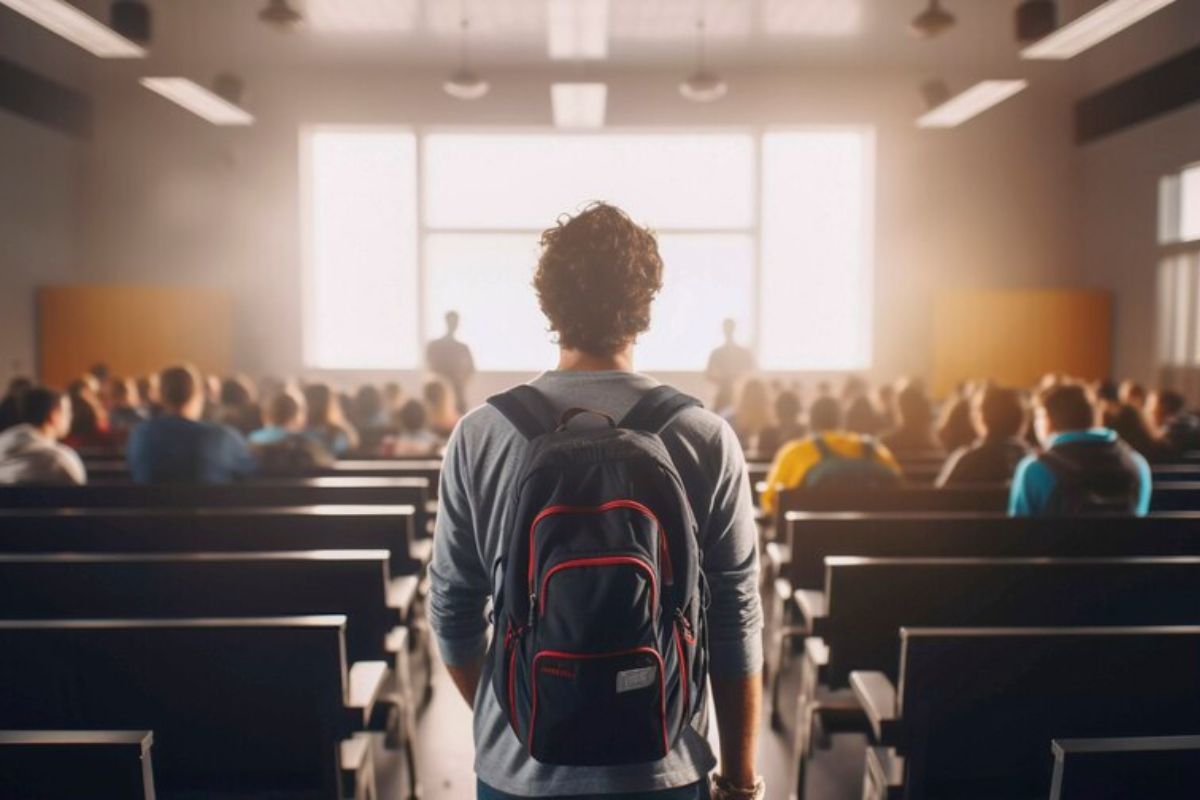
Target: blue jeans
[{"x": 697, "y": 791}]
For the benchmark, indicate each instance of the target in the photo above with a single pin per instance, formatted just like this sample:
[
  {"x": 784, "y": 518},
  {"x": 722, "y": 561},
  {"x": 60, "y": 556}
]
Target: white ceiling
[
  {"x": 641, "y": 32},
  {"x": 205, "y": 35}
]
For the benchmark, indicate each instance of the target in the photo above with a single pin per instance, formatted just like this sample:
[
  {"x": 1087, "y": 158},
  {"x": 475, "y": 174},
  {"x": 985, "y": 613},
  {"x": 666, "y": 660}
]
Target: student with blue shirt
[
  {"x": 177, "y": 447},
  {"x": 1082, "y": 469}
]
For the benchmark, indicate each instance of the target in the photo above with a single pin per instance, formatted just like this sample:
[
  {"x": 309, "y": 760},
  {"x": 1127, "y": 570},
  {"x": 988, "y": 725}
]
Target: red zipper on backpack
[
  {"x": 632, "y": 505},
  {"x": 683, "y": 673},
  {"x": 601, "y": 561}
]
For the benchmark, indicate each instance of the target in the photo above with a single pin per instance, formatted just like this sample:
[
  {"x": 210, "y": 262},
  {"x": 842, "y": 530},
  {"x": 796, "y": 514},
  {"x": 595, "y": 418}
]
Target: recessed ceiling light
[
  {"x": 970, "y": 104},
  {"x": 579, "y": 105},
  {"x": 577, "y": 29},
  {"x": 1100, "y": 23},
  {"x": 198, "y": 100},
  {"x": 77, "y": 27},
  {"x": 362, "y": 16}
]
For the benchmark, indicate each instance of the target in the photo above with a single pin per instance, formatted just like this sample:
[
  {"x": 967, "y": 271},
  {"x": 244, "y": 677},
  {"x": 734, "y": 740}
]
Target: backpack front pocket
[
  {"x": 598, "y": 708},
  {"x": 608, "y": 602}
]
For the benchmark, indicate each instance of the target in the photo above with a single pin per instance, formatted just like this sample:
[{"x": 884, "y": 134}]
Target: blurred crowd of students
[
  {"x": 1041, "y": 440},
  {"x": 177, "y": 425}
]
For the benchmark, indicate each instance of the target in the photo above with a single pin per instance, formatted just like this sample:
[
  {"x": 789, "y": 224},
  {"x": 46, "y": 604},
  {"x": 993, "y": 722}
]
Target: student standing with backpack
[{"x": 610, "y": 522}]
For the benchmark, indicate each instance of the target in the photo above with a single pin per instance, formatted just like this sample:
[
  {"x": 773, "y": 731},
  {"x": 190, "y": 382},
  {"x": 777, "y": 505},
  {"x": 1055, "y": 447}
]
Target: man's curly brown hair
[{"x": 598, "y": 274}]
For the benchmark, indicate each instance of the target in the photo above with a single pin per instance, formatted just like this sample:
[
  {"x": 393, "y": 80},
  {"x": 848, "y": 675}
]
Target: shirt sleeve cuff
[{"x": 736, "y": 659}]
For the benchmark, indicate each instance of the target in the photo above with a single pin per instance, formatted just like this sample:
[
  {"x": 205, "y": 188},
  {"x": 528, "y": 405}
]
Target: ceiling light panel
[
  {"x": 970, "y": 104},
  {"x": 70, "y": 23},
  {"x": 815, "y": 18},
  {"x": 659, "y": 20},
  {"x": 1087, "y": 31},
  {"x": 579, "y": 105},
  {"x": 362, "y": 16},
  {"x": 577, "y": 29},
  {"x": 489, "y": 18},
  {"x": 199, "y": 100}
]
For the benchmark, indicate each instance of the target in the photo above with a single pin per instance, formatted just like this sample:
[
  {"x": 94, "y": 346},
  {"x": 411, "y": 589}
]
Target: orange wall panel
[
  {"x": 134, "y": 329},
  {"x": 1016, "y": 336}
]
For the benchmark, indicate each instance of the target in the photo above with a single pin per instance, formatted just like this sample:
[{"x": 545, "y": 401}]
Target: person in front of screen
[
  {"x": 727, "y": 365},
  {"x": 451, "y": 360},
  {"x": 178, "y": 447},
  {"x": 1083, "y": 469}
]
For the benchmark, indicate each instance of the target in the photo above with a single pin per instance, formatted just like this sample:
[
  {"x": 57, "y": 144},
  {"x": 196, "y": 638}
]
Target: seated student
[
  {"x": 829, "y": 458},
  {"x": 238, "y": 407},
  {"x": 861, "y": 415},
  {"x": 955, "y": 428},
  {"x": 751, "y": 413},
  {"x": 282, "y": 447},
  {"x": 1083, "y": 469},
  {"x": 10, "y": 406},
  {"x": 412, "y": 436},
  {"x": 30, "y": 452},
  {"x": 1131, "y": 425},
  {"x": 787, "y": 424},
  {"x": 326, "y": 422},
  {"x": 1176, "y": 428},
  {"x": 913, "y": 436},
  {"x": 999, "y": 418},
  {"x": 125, "y": 410},
  {"x": 370, "y": 417},
  {"x": 147, "y": 389},
  {"x": 90, "y": 427},
  {"x": 439, "y": 405},
  {"x": 177, "y": 447},
  {"x": 1133, "y": 394}
]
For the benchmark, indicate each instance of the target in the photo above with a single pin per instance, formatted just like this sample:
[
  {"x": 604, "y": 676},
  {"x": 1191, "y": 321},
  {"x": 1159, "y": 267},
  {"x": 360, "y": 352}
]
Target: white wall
[
  {"x": 1119, "y": 190},
  {"x": 168, "y": 198}
]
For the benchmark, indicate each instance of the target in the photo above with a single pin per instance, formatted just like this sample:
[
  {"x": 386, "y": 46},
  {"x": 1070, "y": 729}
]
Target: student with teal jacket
[{"x": 1083, "y": 469}]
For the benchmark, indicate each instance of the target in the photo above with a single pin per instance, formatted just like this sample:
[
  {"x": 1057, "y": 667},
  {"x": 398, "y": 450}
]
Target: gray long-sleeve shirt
[{"x": 478, "y": 494}]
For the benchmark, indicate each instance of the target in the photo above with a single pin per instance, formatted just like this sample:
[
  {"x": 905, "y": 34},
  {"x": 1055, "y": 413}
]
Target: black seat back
[
  {"x": 167, "y": 530},
  {"x": 234, "y": 704},
  {"x": 869, "y": 600},
  {"x": 1115, "y": 769},
  {"x": 202, "y": 585},
  {"x": 66, "y": 765},
  {"x": 815, "y": 536},
  {"x": 979, "y": 707}
]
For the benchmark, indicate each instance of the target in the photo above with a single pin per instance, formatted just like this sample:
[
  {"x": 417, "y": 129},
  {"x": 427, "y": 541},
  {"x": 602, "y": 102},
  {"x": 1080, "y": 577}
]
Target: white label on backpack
[{"x": 632, "y": 679}]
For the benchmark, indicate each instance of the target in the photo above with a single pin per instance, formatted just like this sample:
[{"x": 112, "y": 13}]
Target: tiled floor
[{"x": 446, "y": 753}]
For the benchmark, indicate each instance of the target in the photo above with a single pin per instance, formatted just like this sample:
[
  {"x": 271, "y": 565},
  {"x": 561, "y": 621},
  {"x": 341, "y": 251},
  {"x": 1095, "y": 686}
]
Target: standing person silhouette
[
  {"x": 451, "y": 360},
  {"x": 727, "y": 365}
]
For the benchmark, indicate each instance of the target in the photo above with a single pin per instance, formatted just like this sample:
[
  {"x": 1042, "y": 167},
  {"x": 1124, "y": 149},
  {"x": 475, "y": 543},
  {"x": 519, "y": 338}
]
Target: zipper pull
[{"x": 532, "y": 608}]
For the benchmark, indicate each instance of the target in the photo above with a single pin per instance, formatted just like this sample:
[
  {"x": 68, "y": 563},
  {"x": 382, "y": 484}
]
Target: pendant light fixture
[
  {"x": 464, "y": 83},
  {"x": 932, "y": 22},
  {"x": 280, "y": 14},
  {"x": 703, "y": 85}
]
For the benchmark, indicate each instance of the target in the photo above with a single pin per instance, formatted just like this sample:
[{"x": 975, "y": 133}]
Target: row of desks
[{"x": 964, "y": 643}]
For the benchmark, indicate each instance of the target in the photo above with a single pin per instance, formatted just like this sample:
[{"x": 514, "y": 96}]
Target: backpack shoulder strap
[
  {"x": 822, "y": 447},
  {"x": 656, "y": 409},
  {"x": 527, "y": 409}
]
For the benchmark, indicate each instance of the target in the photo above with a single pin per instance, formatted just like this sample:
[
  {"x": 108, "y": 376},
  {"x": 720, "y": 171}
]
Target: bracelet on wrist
[{"x": 727, "y": 790}]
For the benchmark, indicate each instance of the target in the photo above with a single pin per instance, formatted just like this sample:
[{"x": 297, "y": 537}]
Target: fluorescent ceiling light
[
  {"x": 77, "y": 27},
  {"x": 198, "y": 100},
  {"x": 1094, "y": 27},
  {"x": 579, "y": 105},
  {"x": 971, "y": 103},
  {"x": 577, "y": 29},
  {"x": 361, "y": 16}
]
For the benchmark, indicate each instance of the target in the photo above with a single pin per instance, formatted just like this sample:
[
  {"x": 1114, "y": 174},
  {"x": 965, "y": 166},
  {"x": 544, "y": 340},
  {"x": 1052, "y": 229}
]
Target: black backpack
[
  {"x": 600, "y": 651},
  {"x": 1093, "y": 478}
]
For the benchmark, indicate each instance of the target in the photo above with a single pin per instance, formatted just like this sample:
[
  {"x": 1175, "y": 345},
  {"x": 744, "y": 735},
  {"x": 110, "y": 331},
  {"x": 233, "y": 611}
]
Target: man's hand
[
  {"x": 738, "y": 703},
  {"x": 466, "y": 679}
]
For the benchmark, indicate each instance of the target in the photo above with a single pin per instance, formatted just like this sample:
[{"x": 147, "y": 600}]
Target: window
[
  {"x": 784, "y": 250},
  {"x": 360, "y": 284},
  {"x": 1179, "y": 269}
]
